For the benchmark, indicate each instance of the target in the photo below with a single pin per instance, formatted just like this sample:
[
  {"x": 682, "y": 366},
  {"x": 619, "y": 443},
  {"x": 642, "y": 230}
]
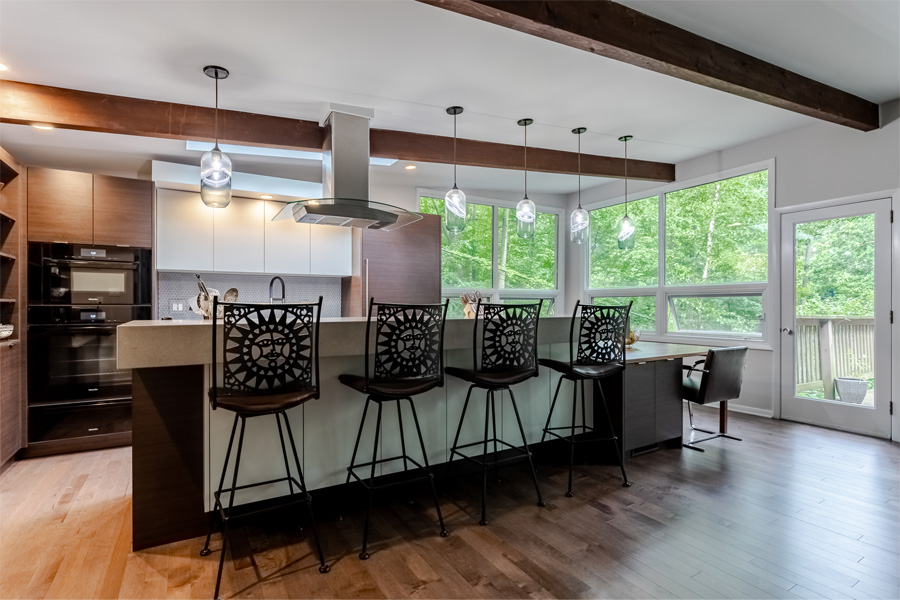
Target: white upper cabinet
[
  {"x": 287, "y": 243},
  {"x": 242, "y": 238},
  {"x": 331, "y": 250},
  {"x": 184, "y": 232},
  {"x": 239, "y": 236}
]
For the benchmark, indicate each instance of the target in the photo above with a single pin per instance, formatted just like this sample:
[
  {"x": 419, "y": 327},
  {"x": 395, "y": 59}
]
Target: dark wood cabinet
[
  {"x": 81, "y": 208},
  {"x": 394, "y": 266},
  {"x": 60, "y": 206},
  {"x": 652, "y": 404},
  {"x": 122, "y": 211},
  {"x": 10, "y": 401}
]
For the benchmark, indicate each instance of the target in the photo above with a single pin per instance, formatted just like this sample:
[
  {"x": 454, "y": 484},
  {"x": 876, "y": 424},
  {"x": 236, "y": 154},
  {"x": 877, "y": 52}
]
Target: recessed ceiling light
[
  {"x": 42, "y": 126},
  {"x": 267, "y": 196},
  {"x": 410, "y": 167},
  {"x": 3, "y": 67}
]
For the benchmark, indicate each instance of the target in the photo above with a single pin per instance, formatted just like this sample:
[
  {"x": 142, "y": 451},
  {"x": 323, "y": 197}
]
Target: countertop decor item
[
  {"x": 6, "y": 331},
  {"x": 631, "y": 338},
  {"x": 525, "y": 210},
  {"x": 455, "y": 200},
  {"x": 470, "y": 302},
  {"x": 578, "y": 224},
  {"x": 231, "y": 295},
  {"x": 626, "y": 227},
  {"x": 215, "y": 166}
]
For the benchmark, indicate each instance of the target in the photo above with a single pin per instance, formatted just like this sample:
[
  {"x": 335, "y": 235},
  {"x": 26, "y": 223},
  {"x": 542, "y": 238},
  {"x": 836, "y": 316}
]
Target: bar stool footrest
[
  {"x": 365, "y": 480},
  {"x": 523, "y": 453},
  {"x": 288, "y": 500}
]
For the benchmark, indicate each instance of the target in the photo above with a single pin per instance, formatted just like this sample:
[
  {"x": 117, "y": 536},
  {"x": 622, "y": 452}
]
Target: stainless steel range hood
[{"x": 345, "y": 182}]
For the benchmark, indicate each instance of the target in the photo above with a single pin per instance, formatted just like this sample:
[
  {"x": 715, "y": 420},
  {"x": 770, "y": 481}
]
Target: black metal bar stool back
[
  {"x": 270, "y": 364},
  {"x": 598, "y": 353},
  {"x": 408, "y": 361},
  {"x": 508, "y": 356}
]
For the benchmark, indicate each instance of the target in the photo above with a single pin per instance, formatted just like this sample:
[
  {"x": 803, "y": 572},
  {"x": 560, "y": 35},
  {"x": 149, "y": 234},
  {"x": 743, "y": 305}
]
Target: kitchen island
[{"x": 179, "y": 442}]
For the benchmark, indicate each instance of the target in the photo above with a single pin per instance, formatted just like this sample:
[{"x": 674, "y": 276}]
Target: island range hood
[{"x": 345, "y": 182}]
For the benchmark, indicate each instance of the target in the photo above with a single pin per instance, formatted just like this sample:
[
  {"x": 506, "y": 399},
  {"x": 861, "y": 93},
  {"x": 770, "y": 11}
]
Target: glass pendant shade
[
  {"x": 626, "y": 233},
  {"x": 455, "y": 210},
  {"x": 215, "y": 178},
  {"x": 525, "y": 216},
  {"x": 578, "y": 226}
]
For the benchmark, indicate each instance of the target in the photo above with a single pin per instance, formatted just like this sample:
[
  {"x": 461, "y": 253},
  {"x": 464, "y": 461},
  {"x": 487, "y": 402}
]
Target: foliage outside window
[
  {"x": 638, "y": 267},
  {"x": 525, "y": 269},
  {"x": 643, "y": 312},
  {"x": 715, "y": 263}
]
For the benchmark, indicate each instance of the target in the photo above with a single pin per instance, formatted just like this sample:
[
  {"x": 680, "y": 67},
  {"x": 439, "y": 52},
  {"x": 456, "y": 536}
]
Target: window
[
  {"x": 699, "y": 267},
  {"x": 489, "y": 257}
]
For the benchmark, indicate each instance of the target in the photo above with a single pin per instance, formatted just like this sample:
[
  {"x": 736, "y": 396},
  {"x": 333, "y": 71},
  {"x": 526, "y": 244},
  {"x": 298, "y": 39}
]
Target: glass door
[{"x": 835, "y": 335}]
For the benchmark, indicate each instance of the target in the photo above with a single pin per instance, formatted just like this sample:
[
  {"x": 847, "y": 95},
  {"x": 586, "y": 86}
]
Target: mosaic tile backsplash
[{"x": 176, "y": 288}]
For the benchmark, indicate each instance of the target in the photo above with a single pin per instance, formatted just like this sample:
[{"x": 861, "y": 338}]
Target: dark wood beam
[
  {"x": 26, "y": 103},
  {"x": 608, "y": 29},
  {"x": 437, "y": 149}
]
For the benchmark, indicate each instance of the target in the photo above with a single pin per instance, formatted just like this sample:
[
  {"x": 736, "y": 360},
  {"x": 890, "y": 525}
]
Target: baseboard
[{"x": 750, "y": 410}]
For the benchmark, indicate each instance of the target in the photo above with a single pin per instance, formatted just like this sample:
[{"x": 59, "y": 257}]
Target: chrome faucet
[{"x": 272, "y": 298}]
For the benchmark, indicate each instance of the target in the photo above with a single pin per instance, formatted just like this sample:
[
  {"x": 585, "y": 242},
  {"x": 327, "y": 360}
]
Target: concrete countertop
[{"x": 148, "y": 344}]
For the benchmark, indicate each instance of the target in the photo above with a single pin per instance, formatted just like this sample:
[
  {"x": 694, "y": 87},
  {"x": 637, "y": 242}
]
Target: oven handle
[
  {"x": 71, "y": 328},
  {"x": 97, "y": 264}
]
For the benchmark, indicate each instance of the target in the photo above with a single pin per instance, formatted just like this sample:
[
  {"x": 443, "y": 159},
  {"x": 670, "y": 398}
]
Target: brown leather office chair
[{"x": 720, "y": 381}]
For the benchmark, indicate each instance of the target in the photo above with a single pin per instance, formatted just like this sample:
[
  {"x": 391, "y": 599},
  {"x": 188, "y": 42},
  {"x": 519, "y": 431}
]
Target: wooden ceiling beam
[
  {"x": 615, "y": 31},
  {"x": 27, "y": 104}
]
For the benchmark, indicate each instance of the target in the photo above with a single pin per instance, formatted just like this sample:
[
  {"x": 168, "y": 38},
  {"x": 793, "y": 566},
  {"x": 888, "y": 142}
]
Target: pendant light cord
[
  {"x": 454, "y": 150},
  {"x": 579, "y": 170},
  {"x": 217, "y": 109},
  {"x": 526, "y": 161},
  {"x": 626, "y": 178}
]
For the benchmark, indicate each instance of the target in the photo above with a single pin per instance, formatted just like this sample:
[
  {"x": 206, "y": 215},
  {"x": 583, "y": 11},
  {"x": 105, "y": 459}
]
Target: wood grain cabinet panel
[
  {"x": 10, "y": 402},
  {"x": 122, "y": 211},
  {"x": 60, "y": 206}
]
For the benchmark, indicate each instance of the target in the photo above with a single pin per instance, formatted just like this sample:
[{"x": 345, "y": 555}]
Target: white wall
[{"x": 813, "y": 163}]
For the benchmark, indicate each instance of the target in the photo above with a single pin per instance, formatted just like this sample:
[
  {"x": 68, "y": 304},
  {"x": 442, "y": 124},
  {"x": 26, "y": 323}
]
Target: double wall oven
[{"x": 77, "y": 296}]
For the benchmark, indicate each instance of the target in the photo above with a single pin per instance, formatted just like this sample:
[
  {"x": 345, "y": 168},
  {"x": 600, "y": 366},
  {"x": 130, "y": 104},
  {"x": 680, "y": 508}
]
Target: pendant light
[
  {"x": 525, "y": 211},
  {"x": 626, "y": 233},
  {"x": 455, "y": 200},
  {"x": 215, "y": 166},
  {"x": 578, "y": 224}
]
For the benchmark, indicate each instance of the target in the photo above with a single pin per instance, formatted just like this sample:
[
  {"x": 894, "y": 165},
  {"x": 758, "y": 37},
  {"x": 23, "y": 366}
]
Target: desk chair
[
  {"x": 601, "y": 354},
  {"x": 720, "y": 381},
  {"x": 508, "y": 357},
  {"x": 270, "y": 364},
  {"x": 408, "y": 361}
]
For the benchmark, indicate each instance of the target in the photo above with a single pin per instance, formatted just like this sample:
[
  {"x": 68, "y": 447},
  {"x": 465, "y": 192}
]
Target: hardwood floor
[{"x": 793, "y": 511}]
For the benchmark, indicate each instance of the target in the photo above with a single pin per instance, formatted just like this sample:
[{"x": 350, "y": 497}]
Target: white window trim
[
  {"x": 495, "y": 294},
  {"x": 769, "y": 289}
]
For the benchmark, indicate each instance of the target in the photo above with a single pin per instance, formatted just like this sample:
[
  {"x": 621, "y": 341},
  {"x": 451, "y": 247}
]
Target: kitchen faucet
[{"x": 272, "y": 298}]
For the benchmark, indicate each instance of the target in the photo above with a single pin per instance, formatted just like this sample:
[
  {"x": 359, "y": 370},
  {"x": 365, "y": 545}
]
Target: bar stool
[
  {"x": 408, "y": 361},
  {"x": 508, "y": 357},
  {"x": 270, "y": 364},
  {"x": 601, "y": 353}
]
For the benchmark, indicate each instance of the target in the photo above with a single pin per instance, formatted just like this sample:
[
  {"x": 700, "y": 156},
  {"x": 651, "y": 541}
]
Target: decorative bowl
[
  {"x": 631, "y": 338},
  {"x": 6, "y": 331}
]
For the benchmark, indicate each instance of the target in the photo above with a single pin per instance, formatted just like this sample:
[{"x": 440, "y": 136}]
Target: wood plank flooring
[{"x": 793, "y": 511}]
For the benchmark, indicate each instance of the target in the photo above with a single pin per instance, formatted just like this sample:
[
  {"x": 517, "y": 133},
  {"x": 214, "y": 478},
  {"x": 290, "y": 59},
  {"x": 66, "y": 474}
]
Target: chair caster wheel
[
  {"x": 542, "y": 504},
  {"x": 483, "y": 523},
  {"x": 570, "y": 494},
  {"x": 205, "y": 552},
  {"x": 324, "y": 569},
  {"x": 626, "y": 484},
  {"x": 363, "y": 556},
  {"x": 445, "y": 533}
]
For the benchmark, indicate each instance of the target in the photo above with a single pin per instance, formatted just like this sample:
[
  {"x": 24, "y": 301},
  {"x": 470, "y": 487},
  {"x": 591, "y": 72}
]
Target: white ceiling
[{"x": 409, "y": 61}]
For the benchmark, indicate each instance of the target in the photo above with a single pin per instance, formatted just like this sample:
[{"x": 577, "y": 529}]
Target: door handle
[{"x": 787, "y": 331}]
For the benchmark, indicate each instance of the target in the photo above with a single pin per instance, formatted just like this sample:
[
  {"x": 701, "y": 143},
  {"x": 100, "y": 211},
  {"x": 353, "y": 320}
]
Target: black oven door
[
  {"x": 88, "y": 282},
  {"x": 74, "y": 363}
]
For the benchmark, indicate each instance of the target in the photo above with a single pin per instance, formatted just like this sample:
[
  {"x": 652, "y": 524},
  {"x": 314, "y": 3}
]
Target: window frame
[
  {"x": 495, "y": 294},
  {"x": 767, "y": 289}
]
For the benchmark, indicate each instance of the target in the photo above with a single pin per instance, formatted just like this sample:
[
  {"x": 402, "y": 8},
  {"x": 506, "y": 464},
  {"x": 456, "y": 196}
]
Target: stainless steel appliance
[{"x": 78, "y": 295}]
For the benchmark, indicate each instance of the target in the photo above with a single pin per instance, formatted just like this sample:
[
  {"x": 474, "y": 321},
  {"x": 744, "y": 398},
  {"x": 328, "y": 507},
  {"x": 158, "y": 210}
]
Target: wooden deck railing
[{"x": 832, "y": 346}]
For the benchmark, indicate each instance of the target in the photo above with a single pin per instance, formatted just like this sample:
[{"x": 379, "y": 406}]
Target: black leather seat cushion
[
  {"x": 577, "y": 371},
  {"x": 491, "y": 379},
  {"x": 399, "y": 388},
  {"x": 691, "y": 388},
  {"x": 262, "y": 404}
]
